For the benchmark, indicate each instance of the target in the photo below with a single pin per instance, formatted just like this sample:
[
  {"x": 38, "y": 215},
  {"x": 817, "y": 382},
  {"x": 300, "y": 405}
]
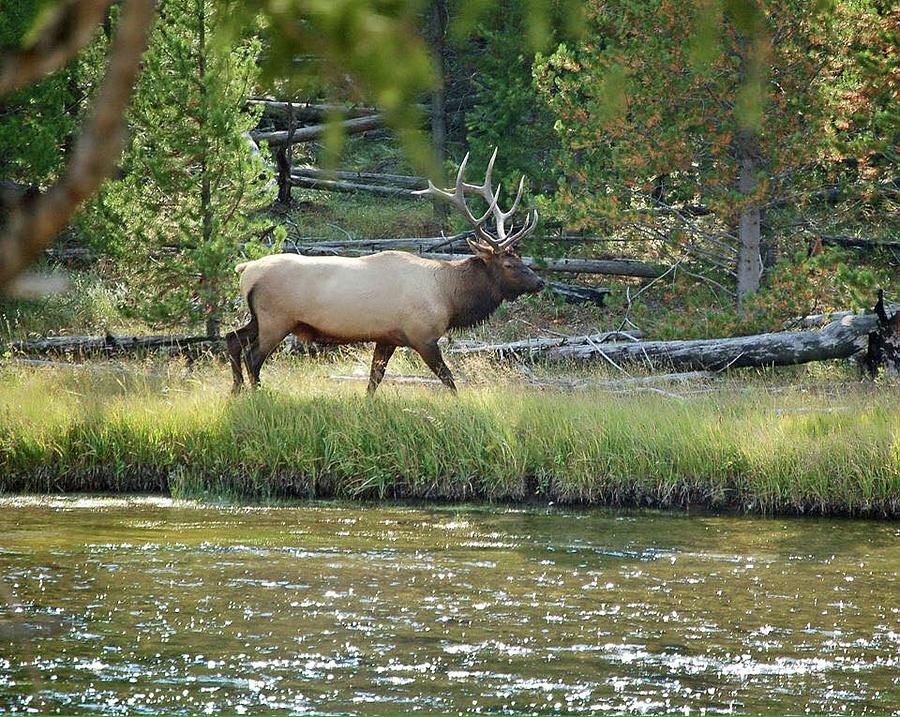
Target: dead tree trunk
[
  {"x": 749, "y": 263},
  {"x": 883, "y": 349},
  {"x": 283, "y": 166},
  {"x": 839, "y": 339},
  {"x": 283, "y": 162}
]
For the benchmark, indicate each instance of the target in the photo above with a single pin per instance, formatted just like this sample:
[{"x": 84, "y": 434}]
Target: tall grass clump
[{"x": 746, "y": 448}]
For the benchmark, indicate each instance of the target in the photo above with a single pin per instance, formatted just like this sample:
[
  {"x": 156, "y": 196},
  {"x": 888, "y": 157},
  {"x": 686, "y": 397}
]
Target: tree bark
[
  {"x": 749, "y": 265},
  {"x": 283, "y": 162}
]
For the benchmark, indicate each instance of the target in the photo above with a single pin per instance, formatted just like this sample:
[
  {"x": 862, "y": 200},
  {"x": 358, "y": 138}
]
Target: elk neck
[{"x": 471, "y": 292}]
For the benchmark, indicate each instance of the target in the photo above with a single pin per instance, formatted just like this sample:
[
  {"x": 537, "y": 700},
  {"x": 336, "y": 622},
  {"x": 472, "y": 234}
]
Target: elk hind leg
[
  {"x": 271, "y": 333},
  {"x": 237, "y": 341},
  {"x": 383, "y": 353}
]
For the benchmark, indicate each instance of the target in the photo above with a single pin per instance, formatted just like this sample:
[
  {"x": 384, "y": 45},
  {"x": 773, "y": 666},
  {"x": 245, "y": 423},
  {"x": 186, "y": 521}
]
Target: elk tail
[{"x": 240, "y": 267}]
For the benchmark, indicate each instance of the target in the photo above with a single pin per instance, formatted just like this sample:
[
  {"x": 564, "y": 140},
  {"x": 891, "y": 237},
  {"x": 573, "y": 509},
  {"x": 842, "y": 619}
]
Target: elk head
[{"x": 506, "y": 268}]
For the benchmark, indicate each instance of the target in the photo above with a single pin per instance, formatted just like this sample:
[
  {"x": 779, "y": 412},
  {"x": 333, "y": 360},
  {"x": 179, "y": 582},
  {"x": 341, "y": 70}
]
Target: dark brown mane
[{"x": 473, "y": 294}]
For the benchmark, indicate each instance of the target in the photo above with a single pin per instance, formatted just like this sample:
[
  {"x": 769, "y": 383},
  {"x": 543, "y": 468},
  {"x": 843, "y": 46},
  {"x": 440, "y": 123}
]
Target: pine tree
[{"x": 192, "y": 189}]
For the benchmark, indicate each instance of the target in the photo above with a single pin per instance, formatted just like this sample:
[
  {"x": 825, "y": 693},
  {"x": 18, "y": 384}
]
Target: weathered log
[
  {"x": 455, "y": 241},
  {"x": 314, "y": 132},
  {"x": 618, "y": 267},
  {"x": 533, "y": 346},
  {"x": 109, "y": 345},
  {"x": 396, "y": 180},
  {"x": 311, "y": 110},
  {"x": 840, "y": 339},
  {"x": 814, "y": 320},
  {"x": 574, "y": 294},
  {"x": 416, "y": 244},
  {"x": 330, "y": 185},
  {"x": 857, "y": 243}
]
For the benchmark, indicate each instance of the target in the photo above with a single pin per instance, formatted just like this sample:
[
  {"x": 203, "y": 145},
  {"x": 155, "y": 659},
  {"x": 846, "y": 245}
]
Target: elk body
[{"x": 391, "y": 298}]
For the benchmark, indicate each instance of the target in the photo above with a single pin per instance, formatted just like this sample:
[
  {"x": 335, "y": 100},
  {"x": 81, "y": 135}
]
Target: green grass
[{"x": 813, "y": 448}]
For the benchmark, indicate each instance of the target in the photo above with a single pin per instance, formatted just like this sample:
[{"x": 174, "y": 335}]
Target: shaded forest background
[{"x": 749, "y": 149}]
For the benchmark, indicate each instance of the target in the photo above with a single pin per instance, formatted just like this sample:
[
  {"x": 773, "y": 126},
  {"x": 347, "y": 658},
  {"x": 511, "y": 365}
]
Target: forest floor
[{"x": 810, "y": 441}]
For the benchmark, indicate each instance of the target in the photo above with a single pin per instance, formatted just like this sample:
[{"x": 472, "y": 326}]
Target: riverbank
[{"x": 828, "y": 448}]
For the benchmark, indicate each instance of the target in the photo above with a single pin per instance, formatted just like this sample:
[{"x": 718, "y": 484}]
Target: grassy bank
[{"x": 813, "y": 448}]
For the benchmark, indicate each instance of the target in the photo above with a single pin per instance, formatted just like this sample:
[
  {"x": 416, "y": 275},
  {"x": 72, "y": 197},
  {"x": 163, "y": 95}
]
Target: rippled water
[{"x": 163, "y": 607}]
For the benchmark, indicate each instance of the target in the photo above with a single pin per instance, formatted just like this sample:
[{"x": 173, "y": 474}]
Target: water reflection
[{"x": 165, "y": 607}]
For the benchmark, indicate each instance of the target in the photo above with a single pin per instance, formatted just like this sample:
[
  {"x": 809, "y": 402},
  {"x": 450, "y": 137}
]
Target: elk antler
[{"x": 456, "y": 197}]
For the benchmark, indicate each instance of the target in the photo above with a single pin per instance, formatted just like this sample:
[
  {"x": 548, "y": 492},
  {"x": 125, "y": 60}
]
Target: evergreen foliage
[
  {"x": 189, "y": 201},
  {"x": 35, "y": 122}
]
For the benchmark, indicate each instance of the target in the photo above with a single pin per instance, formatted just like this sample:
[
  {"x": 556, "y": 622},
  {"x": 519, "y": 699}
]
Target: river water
[{"x": 155, "y": 606}]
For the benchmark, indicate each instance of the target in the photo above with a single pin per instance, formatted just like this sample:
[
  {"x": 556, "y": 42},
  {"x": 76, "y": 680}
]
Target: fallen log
[
  {"x": 330, "y": 185},
  {"x": 574, "y": 294},
  {"x": 532, "y": 346},
  {"x": 315, "y": 111},
  {"x": 840, "y": 339},
  {"x": 857, "y": 243},
  {"x": 416, "y": 244},
  {"x": 398, "y": 180},
  {"x": 618, "y": 267},
  {"x": 110, "y": 345},
  {"x": 419, "y": 244},
  {"x": 314, "y": 132}
]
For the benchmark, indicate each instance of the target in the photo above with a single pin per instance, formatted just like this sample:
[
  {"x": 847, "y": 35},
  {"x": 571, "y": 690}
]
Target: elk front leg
[
  {"x": 383, "y": 353},
  {"x": 431, "y": 354}
]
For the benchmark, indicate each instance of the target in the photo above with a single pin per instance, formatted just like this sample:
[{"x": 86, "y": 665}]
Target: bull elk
[{"x": 392, "y": 298}]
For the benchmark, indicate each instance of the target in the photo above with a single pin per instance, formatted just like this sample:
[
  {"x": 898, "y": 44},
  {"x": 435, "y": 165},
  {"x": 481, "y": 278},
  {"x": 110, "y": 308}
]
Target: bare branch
[
  {"x": 34, "y": 222},
  {"x": 68, "y": 31}
]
